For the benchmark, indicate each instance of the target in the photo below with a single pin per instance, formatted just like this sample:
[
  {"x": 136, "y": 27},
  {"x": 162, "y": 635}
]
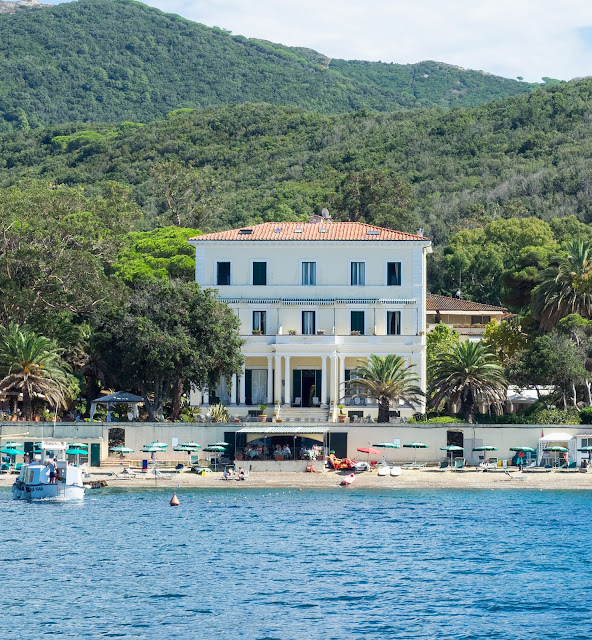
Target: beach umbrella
[
  {"x": 370, "y": 451},
  {"x": 525, "y": 449},
  {"x": 13, "y": 445},
  {"x": 485, "y": 447},
  {"x": 157, "y": 445},
  {"x": 121, "y": 449},
  {"x": 451, "y": 448},
  {"x": 556, "y": 448},
  {"x": 415, "y": 445},
  {"x": 11, "y": 451},
  {"x": 386, "y": 445},
  {"x": 587, "y": 450},
  {"x": 78, "y": 445},
  {"x": 218, "y": 444},
  {"x": 215, "y": 448},
  {"x": 77, "y": 452},
  {"x": 188, "y": 447}
]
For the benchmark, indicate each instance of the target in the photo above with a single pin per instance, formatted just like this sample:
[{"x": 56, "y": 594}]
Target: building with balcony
[
  {"x": 467, "y": 318},
  {"x": 313, "y": 300}
]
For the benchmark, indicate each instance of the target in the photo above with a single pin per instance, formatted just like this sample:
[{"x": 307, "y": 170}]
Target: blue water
[{"x": 291, "y": 565}]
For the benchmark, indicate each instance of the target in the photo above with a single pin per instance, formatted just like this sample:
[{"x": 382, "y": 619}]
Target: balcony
[{"x": 331, "y": 339}]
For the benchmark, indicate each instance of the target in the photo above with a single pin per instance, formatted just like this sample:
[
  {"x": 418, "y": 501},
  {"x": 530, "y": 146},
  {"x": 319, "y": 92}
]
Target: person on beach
[{"x": 241, "y": 473}]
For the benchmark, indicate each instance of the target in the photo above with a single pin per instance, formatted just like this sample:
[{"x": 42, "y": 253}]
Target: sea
[{"x": 289, "y": 564}]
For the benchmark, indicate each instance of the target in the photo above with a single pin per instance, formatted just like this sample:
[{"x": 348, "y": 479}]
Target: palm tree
[
  {"x": 31, "y": 364},
  {"x": 466, "y": 373},
  {"x": 567, "y": 287},
  {"x": 387, "y": 380}
]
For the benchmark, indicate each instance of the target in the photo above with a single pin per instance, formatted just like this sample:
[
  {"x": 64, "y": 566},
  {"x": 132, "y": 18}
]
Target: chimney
[{"x": 315, "y": 219}]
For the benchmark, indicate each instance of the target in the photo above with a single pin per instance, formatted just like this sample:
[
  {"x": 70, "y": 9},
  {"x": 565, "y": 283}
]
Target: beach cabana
[
  {"x": 556, "y": 439},
  {"x": 119, "y": 397}
]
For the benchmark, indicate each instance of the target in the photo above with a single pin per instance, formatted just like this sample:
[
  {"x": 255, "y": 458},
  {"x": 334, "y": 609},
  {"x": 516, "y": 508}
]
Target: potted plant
[
  {"x": 262, "y": 417},
  {"x": 292, "y": 332},
  {"x": 355, "y": 333},
  {"x": 341, "y": 417},
  {"x": 257, "y": 332},
  {"x": 320, "y": 332}
]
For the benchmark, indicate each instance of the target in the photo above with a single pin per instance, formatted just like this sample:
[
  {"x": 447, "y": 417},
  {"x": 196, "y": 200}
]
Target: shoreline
[{"x": 409, "y": 479}]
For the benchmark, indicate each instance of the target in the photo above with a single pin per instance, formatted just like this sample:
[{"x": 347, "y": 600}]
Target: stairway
[{"x": 304, "y": 414}]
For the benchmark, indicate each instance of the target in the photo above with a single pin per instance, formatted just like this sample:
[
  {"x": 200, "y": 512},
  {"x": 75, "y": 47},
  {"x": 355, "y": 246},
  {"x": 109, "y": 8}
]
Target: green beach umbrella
[
  {"x": 218, "y": 444},
  {"x": 13, "y": 445},
  {"x": 187, "y": 445},
  {"x": 415, "y": 445},
  {"x": 78, "y": 445},
  {"x": 157, "y": 445},
  {"x": 386, "y": 445},
  {"x": 76, "y": 452},
  {"x": 525, "y": 449},
  {"x": 556, "y": 448},
  {"x": 451, "y": 448},
  {"x": 585, "y": 449},
  {"x": 10, "y": 451},
  {"x": 215, "y": 448},
  {"x": 121, "y": 449}
]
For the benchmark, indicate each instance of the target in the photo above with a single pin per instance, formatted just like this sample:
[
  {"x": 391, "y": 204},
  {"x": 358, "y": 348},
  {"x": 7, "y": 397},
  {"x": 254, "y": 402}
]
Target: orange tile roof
[
  {"x": 443, "y": 303},
  {"x": 310, "y": 231}
]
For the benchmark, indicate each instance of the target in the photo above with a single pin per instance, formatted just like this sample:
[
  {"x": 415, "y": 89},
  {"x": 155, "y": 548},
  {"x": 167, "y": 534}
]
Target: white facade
[{"x": 301, "y": 292}]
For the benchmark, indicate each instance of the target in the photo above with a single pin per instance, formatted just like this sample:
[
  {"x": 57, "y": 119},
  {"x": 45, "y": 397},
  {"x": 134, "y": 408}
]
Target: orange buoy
[{"x": 174, "y": 500}]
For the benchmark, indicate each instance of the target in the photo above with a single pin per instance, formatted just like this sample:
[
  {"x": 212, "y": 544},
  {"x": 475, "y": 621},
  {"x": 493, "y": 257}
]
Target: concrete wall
[{"x": 358, "y": 435}]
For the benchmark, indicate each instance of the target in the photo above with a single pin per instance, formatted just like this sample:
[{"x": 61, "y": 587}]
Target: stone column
[
  {"x": 323, "y": 380},
  {"x": 233, "y": 389},
  {"x": 334, "y": 381},
  {"x": 269, "y": 380},
  {"x": 206, "y": 397},
  {"x": 277, "y": 391},
  {"x": 341, "y": 391},
  {"x": 288, "y": 382},
  {"x": 242, "y": 398}
]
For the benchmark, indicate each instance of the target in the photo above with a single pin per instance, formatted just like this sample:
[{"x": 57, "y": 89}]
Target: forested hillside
[
  {"x": 443, "y": 170},
  {"x": 116, "y": 60}
]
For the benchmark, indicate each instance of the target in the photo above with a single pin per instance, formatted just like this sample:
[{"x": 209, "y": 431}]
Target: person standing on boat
[{"x": 52, "y": 472}]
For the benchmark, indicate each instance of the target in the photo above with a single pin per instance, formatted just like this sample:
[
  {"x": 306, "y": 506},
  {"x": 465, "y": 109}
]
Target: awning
[
  {"x": 119, "y": 397},
  {"x": 284, "y": 431}
]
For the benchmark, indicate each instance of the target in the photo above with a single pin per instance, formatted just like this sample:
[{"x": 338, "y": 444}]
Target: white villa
[{"x": 313, "y": 299}]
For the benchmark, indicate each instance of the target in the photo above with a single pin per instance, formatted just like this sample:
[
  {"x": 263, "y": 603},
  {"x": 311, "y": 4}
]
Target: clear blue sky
[{"x": 529, "y": 38}]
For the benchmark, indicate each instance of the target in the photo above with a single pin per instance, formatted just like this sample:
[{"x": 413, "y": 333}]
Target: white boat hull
[{"x": 56, "y": 492}]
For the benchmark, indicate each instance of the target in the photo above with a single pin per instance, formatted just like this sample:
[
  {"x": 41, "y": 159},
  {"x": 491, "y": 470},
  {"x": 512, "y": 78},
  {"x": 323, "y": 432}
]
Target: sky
[{"x": 511, "y": 38}]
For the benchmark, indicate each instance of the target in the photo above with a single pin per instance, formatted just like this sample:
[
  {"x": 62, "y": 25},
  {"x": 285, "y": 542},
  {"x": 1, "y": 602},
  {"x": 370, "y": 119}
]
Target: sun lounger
[{"x": 459, "y": 464}]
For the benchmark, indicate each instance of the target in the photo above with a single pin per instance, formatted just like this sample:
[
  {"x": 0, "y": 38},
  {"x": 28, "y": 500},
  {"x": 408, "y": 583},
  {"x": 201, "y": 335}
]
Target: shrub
[{"x": 586, "y": 415}]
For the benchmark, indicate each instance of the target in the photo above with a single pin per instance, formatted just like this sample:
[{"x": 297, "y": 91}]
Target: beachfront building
[
  {"x": 467, "y": 318},
  {"x": 314, "y": 299}
]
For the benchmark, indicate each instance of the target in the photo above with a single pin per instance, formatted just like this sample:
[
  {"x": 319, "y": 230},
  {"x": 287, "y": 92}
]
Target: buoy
[
  {"x": 299, "y": 489},
  {"x": 174, "y": 500}
]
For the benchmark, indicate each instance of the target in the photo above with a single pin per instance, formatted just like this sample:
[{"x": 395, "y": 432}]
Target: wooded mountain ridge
[{"x": 116, "y": 60}]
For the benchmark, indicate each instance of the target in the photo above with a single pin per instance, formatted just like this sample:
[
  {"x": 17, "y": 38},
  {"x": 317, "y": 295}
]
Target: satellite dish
[{"x": 325, "y": 213}]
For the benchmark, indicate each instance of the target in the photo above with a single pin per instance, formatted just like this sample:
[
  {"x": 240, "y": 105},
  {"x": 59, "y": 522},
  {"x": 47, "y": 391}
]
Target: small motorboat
[
  {"x": 395, "y": 471},
  {"x": 36, "y": 482}
]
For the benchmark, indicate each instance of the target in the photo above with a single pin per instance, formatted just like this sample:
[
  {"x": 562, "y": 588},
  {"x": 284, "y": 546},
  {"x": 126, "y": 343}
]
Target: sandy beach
[{"x": 409, "y": 479}]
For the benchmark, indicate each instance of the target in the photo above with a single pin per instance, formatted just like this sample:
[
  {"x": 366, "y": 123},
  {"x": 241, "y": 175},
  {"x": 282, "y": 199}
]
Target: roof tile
[
  {"x": 443, "y": 303},
  {"x": 310, "y": 231}
]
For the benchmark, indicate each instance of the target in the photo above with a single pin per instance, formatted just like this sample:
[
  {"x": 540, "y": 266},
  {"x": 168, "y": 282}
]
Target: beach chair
[
  {"x": 459, "y": 464},
  {"x": 444, "y": 465}
]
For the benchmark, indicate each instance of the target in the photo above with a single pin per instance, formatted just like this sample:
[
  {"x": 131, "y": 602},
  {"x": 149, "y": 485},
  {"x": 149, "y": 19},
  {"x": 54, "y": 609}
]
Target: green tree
[
  {"x": 31, "y": 364},
  {"x": 387, "y": 380},
  {"x": 552, "y": 360},
  {"x": 505, "y": 339},
  {"x": 567, "y": 287},
  {"x": 376, "y": 197},
  {"x": 440, "y": 339},
  {"x": 467, "y": 374},
  {"x": 186, "y": 196},
  {"x": 166, "y": 335},
  {"x": 161, "y": 253}
]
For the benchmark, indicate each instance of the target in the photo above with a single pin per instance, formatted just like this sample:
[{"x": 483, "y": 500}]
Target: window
[
  {"x": 357, "y": 321},
  {"x": 260, "y": 321},
  {"x": 480, "y": 319},
  {"x": 223, "y": 274},
  {"x": 309, "y": 273},
  {"x": 259, "y": 273},
  {"x": 393, "y": 274},
  {"x": 308, "y": 323},
  {"x": 393, "y": 323},
  {"x": 358, "y": 273}
]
